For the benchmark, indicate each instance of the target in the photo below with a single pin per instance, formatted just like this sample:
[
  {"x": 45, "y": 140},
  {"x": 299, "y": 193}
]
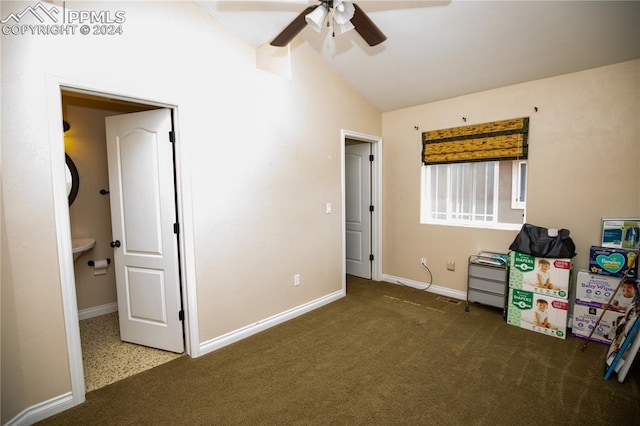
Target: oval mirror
[{"x": 72, "y": 179}]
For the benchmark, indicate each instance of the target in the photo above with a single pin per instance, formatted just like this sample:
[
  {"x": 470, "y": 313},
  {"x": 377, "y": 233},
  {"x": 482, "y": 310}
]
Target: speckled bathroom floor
[{"x": 107, "y": 359}]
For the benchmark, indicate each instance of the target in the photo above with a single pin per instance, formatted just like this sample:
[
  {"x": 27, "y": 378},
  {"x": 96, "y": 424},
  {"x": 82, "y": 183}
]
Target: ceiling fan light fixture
[
  {"x": 345, "y": 16},
  {"x": 343, "y": 11},
  {"x": 316, "y": 18},
  {"x": 342, "y": 28}
]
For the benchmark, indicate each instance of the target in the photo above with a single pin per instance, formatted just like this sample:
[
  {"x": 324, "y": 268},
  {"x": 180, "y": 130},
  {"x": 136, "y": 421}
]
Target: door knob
[{"x": 115, "y": 243}]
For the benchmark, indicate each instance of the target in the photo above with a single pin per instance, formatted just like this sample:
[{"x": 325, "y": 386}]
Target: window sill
[{"x": 497, "y": 226}]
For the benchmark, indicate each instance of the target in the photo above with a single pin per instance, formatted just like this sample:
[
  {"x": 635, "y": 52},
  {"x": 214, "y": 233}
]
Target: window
[
  {"x": 477, "y": 194},
  {"x": 519, "y": 184},
  {"x": 476, "y": 175}
]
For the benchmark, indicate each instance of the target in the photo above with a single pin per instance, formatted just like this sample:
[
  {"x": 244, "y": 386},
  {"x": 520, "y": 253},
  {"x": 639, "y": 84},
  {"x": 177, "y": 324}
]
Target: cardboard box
[
  {"x": 585, "y": 318},
  {"x": 523, "y": 306},
  {"x": 549, "y": 277},
  {"x": 612, "y": 262},
  {"x": 621, "y": 233},
  {"x": 596, "y": 288}
]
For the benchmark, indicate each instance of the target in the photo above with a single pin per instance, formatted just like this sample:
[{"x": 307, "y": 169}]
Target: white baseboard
[
  {"x": 244, "y": 332},
  {"x": 96, "y": 311},
  {"x": 442, "y": 291},
  {"x": 43, "y": 410}
]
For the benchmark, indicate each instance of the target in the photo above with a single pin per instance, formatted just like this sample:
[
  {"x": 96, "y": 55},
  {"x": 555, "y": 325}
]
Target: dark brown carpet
[{"x": 384, "y": 355}]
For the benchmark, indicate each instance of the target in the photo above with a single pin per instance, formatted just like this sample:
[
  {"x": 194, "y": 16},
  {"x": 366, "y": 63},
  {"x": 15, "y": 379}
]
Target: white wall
[{"x": 262, "y": 153}]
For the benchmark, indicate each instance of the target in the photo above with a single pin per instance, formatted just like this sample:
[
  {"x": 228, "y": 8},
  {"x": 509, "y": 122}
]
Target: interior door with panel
[
  {"x": 358, "y": 215},
  {"x": 141, "y": 184}
]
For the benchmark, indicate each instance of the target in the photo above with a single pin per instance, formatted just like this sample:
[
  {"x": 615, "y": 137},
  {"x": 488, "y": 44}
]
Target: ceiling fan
[{"x": 345, "y": 16}]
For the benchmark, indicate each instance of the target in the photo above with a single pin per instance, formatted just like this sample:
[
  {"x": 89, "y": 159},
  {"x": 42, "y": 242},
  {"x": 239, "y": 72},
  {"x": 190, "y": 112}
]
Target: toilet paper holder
[{"x": 91, "y": 262}]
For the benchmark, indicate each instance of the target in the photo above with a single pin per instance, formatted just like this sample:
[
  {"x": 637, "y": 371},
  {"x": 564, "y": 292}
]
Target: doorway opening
[
  {"x": 362, "y": 201},
  {"x": 106, "y": 358}
]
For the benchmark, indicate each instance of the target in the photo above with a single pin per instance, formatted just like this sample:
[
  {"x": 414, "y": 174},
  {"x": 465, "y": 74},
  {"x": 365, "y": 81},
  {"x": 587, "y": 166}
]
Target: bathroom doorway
[
  {"x": 105, "y": 357},
  {"x": 362, "y": 157}
]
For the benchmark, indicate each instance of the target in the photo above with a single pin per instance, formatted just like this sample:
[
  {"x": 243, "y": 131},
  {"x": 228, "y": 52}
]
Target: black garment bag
[{"x": 536, "y": 241}]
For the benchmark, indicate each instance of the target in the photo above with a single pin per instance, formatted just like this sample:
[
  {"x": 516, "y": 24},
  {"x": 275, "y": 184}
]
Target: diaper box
[
  {"x": 611, "y": 261},
  {"x": 539, "y": 313},
  {"x": 585, "y": 318},
  {"x": 595, "y": 288},
  {"x": 549, "y": 277},
  {"x": 621, "y": 233}
]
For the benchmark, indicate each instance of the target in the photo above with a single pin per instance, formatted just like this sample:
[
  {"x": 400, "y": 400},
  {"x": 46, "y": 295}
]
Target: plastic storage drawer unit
[{"x": 488, "y": 279}]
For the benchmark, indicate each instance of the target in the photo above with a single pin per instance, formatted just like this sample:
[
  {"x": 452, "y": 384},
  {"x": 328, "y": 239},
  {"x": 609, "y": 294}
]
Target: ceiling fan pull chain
[{"x": 333, "y": 28}]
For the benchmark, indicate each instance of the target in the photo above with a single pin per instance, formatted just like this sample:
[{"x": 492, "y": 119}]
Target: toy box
[
  {"x": 596, "y": 288},
  {"x": 612, "y": 262},
  {"x": 549, "y": 277},
  {"x": 621, "y": 233},
  {"x": 585, "y": 318},
  {"x": 523, "y": 306}
]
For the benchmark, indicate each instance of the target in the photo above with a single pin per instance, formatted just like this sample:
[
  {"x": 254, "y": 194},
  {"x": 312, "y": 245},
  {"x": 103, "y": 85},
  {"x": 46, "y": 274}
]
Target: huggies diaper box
[
  {"x": 585, "y": 317},
  {"x": 612, "y": 262},
  {"x": 535, "y": 312},
  {"x": 549, "y": 277}
]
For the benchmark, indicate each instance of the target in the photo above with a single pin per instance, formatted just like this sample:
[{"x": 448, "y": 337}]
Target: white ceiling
[{"x": 441, "y": 49}]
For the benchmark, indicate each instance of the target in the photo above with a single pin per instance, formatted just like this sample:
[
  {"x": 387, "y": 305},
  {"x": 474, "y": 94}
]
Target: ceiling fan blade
[
  {"x": 293, "y": 28},
  {"x": 366, "y": 28}
]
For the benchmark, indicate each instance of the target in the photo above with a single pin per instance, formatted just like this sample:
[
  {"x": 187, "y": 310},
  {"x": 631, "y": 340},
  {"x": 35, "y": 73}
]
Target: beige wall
[
  {"x": 584, "y": 144},
  {"x": 263, "y": 155},
  {"x": 90, "y": 213}
]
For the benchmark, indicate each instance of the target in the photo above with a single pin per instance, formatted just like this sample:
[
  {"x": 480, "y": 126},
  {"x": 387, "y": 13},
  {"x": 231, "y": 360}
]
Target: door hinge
[
  {"x": 371, "y": 257},
  {"x": 371, "y": 208},
  {"x": 181, "y": 315},
  {"x": 176, "y": 228},
  {"x": 370, "y": 157},
  {"x": 172, "y": 136}
]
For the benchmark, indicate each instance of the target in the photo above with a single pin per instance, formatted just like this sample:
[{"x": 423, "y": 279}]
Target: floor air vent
[{"x": 447, "y": 300}]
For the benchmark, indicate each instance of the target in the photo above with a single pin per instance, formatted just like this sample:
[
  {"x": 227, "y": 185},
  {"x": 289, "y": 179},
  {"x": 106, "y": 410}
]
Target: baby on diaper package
[
  {"x": 535, "y": 312},
  {"x": 548, "y": 277},
  {"x": 612, "y": 262}
]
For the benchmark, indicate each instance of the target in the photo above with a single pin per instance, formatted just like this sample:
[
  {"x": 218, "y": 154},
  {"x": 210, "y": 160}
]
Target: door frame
[
  {"x": 376, "y": 201},
  {"x": 54, "y": 86}
]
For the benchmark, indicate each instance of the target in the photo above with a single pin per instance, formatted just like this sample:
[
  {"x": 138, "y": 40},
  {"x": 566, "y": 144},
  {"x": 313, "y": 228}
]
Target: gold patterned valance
[{"x": 498, "y": 140}]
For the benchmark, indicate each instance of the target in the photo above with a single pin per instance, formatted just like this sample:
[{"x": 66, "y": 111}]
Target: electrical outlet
[
  {"x": 451, "y": 265},
  {"x": 296, "y": 279},
  {"x": 423, "y": 261}
]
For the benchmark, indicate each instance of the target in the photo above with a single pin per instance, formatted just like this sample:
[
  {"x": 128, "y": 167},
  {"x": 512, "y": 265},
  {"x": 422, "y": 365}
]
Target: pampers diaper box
[
  {"x": 595, "y": 288},
  {"x": 549, "y": 277},
  {"x": 523, "y": 306},
  {"x": 612, "y": 262},
  {"x": 585, "y": 316}
]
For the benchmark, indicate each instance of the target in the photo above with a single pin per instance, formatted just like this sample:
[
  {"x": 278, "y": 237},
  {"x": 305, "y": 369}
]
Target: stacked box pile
[
  {"x": 538, "y": 294},
  {"x": 596, "y": 286}
]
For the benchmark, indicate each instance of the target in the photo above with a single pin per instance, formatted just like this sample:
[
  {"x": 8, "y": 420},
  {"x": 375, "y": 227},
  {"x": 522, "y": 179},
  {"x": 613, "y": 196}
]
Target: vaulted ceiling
[{"x": 442, "y": 49}]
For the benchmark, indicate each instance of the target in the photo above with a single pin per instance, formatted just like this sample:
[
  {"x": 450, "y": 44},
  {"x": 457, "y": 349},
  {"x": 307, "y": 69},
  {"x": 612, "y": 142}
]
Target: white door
[
  {"x": 357, "y": 202},
  {"x": 141, "y": 186}
]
